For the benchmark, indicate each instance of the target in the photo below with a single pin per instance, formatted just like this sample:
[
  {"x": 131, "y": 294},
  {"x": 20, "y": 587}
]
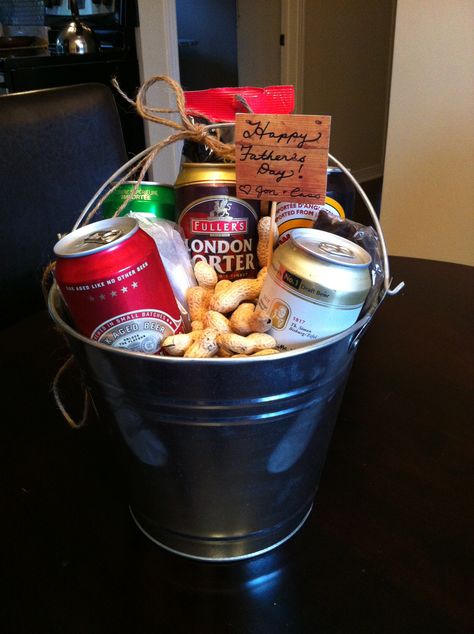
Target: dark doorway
[{"x": 207, "y": 38}]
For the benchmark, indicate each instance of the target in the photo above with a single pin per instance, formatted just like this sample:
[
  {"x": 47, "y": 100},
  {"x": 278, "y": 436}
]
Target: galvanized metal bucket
[{"x": 222, "y": 456}]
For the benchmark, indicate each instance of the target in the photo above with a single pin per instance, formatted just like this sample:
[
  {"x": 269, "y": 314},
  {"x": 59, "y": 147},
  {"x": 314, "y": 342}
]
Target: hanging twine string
[
  {"x": 46, "y": 280},
  {"x": 55, "y": 389}
]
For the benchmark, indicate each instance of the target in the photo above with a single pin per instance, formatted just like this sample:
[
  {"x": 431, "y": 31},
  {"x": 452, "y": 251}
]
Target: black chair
[{"x": 57, "y": 146}]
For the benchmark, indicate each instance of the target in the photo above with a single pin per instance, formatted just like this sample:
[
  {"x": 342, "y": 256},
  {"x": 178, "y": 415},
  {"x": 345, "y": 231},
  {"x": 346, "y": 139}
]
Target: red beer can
[{"x": 113, "y": 281}]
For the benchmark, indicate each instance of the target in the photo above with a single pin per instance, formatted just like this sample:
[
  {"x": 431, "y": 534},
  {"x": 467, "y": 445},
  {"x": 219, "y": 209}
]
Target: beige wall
[
  {"x": 347, "y": 56},
  {"x": 428, "y": 194}
]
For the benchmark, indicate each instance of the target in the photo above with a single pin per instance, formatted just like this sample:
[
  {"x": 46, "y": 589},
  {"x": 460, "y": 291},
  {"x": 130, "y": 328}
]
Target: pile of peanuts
[{"x": 225, "y": 321}]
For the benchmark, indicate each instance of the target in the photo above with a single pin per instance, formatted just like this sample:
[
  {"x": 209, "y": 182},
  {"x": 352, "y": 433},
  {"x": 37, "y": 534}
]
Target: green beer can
[{"x": 150, "y": 198}]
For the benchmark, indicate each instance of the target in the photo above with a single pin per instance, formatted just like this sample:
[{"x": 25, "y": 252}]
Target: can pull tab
[
  {"x": 336, "y": 249},
  {"x": 103, "y": 237}
]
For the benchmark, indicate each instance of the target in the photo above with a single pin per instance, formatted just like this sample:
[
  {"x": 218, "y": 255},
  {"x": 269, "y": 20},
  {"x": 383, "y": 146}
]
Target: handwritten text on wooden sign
[{"x": 282, "y": 157}]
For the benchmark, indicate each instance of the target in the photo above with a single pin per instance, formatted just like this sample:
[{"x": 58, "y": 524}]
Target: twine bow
[{"x": 185, "y": 129}]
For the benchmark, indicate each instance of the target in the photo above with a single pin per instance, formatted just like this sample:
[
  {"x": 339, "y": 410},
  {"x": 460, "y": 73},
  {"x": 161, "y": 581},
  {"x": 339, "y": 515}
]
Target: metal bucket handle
[
  {"x": 378, "y": 228},
  {"x": 368, "y": 204}
]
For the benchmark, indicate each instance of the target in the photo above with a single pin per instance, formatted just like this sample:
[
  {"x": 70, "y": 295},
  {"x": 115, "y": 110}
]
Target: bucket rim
[{"x": 54, "y": 296}]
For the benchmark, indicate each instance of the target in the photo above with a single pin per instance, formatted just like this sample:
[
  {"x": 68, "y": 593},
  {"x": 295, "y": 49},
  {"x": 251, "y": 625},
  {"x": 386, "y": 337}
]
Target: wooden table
[{"x": 387, "y": 547}]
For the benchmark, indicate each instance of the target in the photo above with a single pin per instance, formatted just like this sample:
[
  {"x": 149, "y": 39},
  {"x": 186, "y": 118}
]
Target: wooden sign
[{"x": 282, "y": 157}]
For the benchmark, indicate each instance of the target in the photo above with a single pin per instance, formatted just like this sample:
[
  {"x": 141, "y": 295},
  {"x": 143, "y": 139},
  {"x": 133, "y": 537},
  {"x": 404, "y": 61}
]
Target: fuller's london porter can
[{"x": 218, "y": 227}]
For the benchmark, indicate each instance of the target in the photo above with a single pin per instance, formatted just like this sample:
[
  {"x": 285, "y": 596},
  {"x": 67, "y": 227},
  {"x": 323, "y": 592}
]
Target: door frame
[
  {"x": 292, "y": 49},
  {"x": 157, "y": 51}
]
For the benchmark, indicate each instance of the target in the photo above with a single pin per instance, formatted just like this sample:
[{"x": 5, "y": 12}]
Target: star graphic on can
[
  {"x": 91, "y": 298},
  {"x": 134, "y": 284},
  {"x": 113, "y": 294},
  {"x": 124, "y": 289},
  {"x": 102, "y": 296}
]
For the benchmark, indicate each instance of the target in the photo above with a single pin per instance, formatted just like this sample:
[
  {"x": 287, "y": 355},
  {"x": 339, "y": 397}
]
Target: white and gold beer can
[{"x": 315, "y": 287}]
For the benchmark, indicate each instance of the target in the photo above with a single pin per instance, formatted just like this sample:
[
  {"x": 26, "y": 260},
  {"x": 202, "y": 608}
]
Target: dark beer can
[
  {"x": 340, "y": 193},
  {"x": 218, "y": 227},
  {"x": 113, "y": 281},
  {"x": 151, "y": 199}
]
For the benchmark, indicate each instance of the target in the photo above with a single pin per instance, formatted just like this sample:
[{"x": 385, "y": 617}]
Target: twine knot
[{"x": 200, "y": 132}]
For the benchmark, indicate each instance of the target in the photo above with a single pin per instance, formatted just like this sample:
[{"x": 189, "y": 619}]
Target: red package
[{"x": 220, "y": 105}]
